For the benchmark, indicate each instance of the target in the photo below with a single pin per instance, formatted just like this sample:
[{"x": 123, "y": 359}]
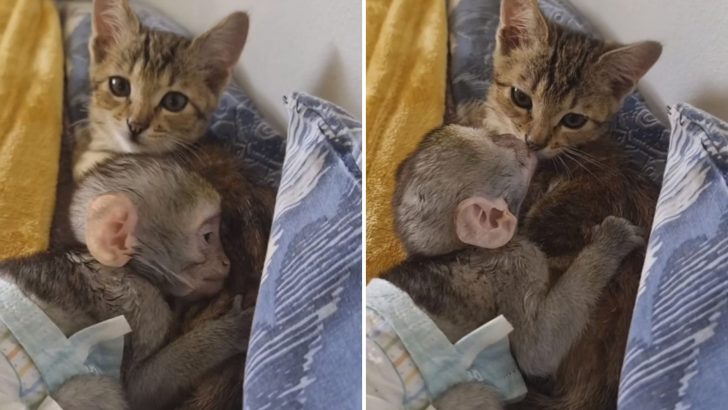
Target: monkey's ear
[
  {"x": 110, "y": 225},
  {"x": 485, "y": 223}
]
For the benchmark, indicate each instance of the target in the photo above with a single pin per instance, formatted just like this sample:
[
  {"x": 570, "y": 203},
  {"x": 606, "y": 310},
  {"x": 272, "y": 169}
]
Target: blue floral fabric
[
  {"x": 305, "y": 352},
  {"x": 677, "y": 354},
  {"x": 473, "y": 25}
]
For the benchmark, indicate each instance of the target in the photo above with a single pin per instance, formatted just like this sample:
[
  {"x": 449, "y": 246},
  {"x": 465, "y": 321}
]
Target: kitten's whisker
[
  {"x": 571, "y": 156},
  {"x": 587, "y": 157},
  {"x": 565, "y": 166},
  {"x": 82, "y": 123},
  {"x": 184, "y": 148},
  {"x": 590, "y": 161}
]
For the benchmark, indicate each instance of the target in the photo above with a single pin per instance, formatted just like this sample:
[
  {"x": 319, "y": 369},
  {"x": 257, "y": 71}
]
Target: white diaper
[
  {"x": 410, "y": 361},
  {"x": 36, "y": 357}
]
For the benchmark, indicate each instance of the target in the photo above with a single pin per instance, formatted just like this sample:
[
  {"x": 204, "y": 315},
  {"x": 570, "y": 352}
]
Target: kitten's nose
[{"x": 136, "y": 128}]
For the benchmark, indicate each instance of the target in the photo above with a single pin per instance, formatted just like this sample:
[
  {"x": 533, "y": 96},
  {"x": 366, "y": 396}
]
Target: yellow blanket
[
  {"x": 31, "y": 97},
  {"x": 406, "y": 68}
]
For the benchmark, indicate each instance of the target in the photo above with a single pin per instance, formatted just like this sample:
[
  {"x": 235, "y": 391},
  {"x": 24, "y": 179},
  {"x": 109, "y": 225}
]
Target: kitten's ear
[
  {"x": 521, "y": 24},
  {"x": 624, "y": 66},
  {"x": 220, "y": 47},
  {"x": 112, "y": 19},
  {"x": 485, "y": 223},
  {"x": 111, "y": 222}
]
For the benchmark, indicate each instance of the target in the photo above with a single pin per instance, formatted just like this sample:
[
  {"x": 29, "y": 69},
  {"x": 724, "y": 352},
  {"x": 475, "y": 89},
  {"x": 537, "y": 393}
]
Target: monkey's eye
[
  {"x": 174, "y": 101},
  {"x": 119, "y": 86},
  {"x": 573, "y": 120},
  {"x": 207, "y": 237},
  {"x": 521, "y": 99}
]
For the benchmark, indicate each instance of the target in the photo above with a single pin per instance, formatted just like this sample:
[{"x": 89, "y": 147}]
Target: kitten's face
[
  {"x": 553, "y": 87},
  {"x": 154, "y": 91},
  {"x": 149, "y": 95}
]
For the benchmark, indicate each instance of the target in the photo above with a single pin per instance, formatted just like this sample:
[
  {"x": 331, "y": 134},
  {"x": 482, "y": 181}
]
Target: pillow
[
  {"x": 676, "y": 353},
  {"x": 473, "y": 24},
  {"x": 305, "y": 351},
  {"x": 236, "y": 121}
]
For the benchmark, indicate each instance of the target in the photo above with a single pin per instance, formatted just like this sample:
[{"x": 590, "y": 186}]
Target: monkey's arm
[
  {"x": 55, "y": 277},
  {"x": 556, "y": 318},
  {"x": 168, "y": 375},
  {"x": 91, "y": 392}
]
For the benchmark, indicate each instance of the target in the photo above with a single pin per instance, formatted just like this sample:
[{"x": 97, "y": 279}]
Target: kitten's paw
[
  {"x": 618, "y": 235},
  {"x": 468, "y": 396}
]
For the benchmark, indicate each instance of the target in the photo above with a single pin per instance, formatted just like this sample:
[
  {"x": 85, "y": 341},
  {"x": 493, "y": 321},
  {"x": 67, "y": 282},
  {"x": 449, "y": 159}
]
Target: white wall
[
  {"x": 293, "y": 45},
  {"x": 693, "y": 67}
]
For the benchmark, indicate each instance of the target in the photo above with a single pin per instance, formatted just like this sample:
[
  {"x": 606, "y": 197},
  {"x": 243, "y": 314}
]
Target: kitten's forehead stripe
[
  {"x": 570, "y": 55},
  {"x": 158, "y": 53}
]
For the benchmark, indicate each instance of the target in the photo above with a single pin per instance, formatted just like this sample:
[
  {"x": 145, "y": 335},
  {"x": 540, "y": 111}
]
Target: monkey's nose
[{"x": 135, "y": 128}]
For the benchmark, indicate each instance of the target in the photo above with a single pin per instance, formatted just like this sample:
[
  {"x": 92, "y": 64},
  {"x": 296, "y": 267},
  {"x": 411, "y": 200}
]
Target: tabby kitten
[
  {"x": 557, "y": 89},
  {"x": 152, "y": 91}
]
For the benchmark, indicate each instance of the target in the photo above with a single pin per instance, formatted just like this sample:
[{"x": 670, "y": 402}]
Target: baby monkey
[
  {"x": 151, "y": 230},
  {"x": 455, "y": 203}
]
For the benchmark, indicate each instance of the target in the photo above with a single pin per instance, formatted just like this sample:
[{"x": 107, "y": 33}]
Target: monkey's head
[
  {"x": 157, "y": 217},
  {"x": 461, "y": 186}
]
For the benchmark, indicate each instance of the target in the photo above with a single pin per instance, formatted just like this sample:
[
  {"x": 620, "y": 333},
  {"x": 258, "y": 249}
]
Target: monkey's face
[
  {"x": 202, "y": 263},
  {"x": 207, "y": 273},
  {"x": 181, "y": 250}
]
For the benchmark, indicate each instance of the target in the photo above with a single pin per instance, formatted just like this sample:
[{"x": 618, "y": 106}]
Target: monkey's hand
[
  {"x": 469, "y": 396},
  {"x": 617, "y": 237},
  {"x": 562, "y": 315},
  {"x": 235, "y": 325},
  {"x": 180, "y": 366}
]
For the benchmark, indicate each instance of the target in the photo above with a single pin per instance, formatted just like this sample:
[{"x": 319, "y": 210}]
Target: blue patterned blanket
[{"x": 677, "y": 355}]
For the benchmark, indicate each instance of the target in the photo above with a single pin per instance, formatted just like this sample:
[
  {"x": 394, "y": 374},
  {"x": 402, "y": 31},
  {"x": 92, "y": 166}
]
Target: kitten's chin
[{"x": 547, "y": 153}]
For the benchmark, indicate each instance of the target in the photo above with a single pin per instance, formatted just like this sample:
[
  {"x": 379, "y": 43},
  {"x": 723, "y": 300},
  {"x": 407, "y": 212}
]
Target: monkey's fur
[
  {"x": 76, "y": 291},
  {"x": 247, "y": 214},
  {"x": 469, "y": 286}
]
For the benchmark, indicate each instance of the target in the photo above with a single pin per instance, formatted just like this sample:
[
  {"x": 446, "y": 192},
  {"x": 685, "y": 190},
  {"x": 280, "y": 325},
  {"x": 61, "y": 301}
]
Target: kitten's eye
[
  {"x": 174, "y": 101},
  {"x": 119, "y": 86},
  {"x": 521, "y": 99},
  {"x": 573, "y": 120}
]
